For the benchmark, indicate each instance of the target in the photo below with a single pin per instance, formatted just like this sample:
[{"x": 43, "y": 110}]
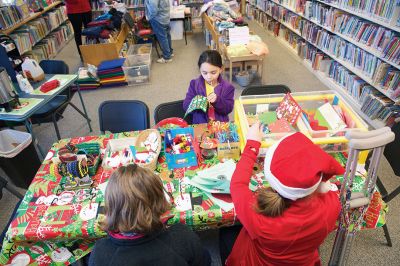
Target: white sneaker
[
  {"x": 172, "y": 55},
  {"x": 163, "y": 61}
]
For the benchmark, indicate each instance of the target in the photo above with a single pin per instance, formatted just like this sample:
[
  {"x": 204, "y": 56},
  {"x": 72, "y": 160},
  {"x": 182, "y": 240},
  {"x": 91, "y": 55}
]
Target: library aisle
[{"x": 170, "y": 81}]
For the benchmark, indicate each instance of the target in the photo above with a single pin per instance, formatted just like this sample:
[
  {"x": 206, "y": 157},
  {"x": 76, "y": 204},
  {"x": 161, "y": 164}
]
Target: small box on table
[{"x": 181, "y": 160}]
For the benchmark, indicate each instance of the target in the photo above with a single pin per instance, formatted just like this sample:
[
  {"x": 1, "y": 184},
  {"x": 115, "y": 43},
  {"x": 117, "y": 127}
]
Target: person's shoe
[
  {"x": 163, "y": 61},
  {"x": 172, "y": 55}
]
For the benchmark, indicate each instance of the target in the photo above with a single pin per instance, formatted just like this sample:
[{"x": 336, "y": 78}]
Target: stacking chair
[
  {"x": 171, "y": 109},
  {"x": 53, "y": 110},
  {"x": 123, "y": 115},
  {"x": 392, "y": 154},
  {"x": 144, "y": 34},
  {"x": 265, "y": 89},
  {"x": 4, "y": 184}
]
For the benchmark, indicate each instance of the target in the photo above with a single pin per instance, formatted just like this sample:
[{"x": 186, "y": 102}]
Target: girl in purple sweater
[{"x": 219, "y": 93}]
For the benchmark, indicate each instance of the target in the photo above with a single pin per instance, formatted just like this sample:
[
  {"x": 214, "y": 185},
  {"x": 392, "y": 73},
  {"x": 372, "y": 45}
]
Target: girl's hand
[
  {"x": 255, "y": 132},
  {"x": 212, "y": 97}
]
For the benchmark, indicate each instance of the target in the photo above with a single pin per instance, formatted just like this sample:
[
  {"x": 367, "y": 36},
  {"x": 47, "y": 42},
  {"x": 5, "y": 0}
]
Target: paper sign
[
  {"x": 183, "y": 202},
  {"x": 288, "y": 109}
]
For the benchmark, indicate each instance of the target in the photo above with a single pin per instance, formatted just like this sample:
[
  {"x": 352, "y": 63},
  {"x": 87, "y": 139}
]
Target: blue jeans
[{"x": 163, "y": 34}]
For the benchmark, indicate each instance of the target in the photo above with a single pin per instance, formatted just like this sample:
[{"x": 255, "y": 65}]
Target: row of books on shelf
[
  {"x": 373, "y": 103},
  {"x": 14, "y": 12},
  {"x": 383, "y": 108},
  {"x": 333, "y": 45},
  {"x": 377, "y": 106},
  {"x": 99, "y": 4},
  {"x": 131, "y": 3},
  {"x": 383, "y": 9},
  {"x": 32, "y": 32},
  {"x": 50, "y": 45},
  {"x": 384, "y": 42}
]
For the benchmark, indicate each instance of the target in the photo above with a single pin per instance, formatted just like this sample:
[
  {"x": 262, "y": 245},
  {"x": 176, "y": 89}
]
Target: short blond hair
[{"x": 134, "y": 201}]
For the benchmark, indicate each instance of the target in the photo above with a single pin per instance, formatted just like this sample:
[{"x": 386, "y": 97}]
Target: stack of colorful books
[{"x": 111, "y": 74}]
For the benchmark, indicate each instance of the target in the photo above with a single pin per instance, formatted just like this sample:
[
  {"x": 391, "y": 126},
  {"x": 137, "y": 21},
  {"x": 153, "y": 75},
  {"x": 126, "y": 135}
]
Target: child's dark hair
[{"x": 210, "y": 56}]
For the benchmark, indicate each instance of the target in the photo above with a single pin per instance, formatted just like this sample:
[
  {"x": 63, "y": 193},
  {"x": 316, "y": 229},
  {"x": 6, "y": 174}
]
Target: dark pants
[
  {"x": 227, "y": 238},
  {"x": 163, "y": 34},
  {"x": 77, "y": 20}
]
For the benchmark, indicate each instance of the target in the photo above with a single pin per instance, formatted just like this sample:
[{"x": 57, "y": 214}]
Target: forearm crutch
[{"x": 355, "y": 204}]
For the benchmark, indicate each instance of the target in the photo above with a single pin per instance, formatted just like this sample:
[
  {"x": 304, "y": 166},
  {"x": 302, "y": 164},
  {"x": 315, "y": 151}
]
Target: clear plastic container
[
  {"x": 263, "y": 107},
  {"x": 137, "y": 68},
  {"x": 141, "y": 49}
]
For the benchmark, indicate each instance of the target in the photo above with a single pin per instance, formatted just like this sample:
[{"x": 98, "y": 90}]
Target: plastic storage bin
[
  {"x": 144, "y": 48},
  {"x": 247, "y": 108},
  {"x": 137, "y": 68},
  {"x": 18, "y": 157}
]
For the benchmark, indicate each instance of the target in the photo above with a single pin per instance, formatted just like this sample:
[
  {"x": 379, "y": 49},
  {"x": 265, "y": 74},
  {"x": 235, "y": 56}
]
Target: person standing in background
[
  {"x": 79, "y": 13},
  {"x": 158, "y": 14}
]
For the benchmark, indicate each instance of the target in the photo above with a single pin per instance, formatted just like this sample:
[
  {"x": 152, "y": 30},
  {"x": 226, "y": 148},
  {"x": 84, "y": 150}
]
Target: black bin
[{"x": 18, "y": 157}]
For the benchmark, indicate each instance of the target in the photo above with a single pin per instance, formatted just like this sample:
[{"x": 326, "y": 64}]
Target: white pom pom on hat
[{"x": 295, "y": 167}]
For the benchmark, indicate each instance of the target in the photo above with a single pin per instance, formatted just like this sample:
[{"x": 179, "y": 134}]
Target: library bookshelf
[
  {"x": 288, "y": 14},
  {"x": 27, "y": 47},
  {"x": 30, "y": 17}
]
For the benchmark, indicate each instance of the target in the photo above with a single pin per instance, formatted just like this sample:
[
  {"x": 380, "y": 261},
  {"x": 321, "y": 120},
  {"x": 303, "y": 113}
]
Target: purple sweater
[{"x": 223, "y": 105}]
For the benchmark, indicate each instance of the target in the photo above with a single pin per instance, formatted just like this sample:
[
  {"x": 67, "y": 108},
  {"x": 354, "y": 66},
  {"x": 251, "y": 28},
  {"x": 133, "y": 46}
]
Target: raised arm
[{"x": 242, "y": 197}]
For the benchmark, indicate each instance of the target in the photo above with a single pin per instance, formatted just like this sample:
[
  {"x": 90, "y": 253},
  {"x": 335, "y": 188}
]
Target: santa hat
[{"x": 295, "y": 167}]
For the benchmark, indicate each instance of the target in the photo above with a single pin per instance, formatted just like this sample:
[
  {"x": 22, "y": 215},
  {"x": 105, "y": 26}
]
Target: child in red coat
[{"x": 284, "y": 224}]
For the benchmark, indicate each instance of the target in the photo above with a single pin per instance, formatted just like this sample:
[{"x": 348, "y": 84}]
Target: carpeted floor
[{"x": 170, "y": 82}]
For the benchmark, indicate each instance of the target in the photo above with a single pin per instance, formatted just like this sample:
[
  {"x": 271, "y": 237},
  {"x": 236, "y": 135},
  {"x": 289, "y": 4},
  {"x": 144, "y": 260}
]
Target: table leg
[
  {"x": 28, "y": 126},
  {"x": 83, "y": 106},
  {"x": 184, "y": 31},
  {"x": 230, "y": 71}
]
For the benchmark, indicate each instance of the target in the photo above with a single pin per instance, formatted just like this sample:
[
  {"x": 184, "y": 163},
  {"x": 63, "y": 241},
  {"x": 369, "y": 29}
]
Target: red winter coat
[
  {"x": 77, "y": 6},
  {"x": 290, "y": 239}
]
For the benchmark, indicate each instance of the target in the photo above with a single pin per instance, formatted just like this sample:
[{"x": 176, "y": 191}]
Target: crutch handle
[
  {"x": 355, "y": 203},
  {"x": 357, "y": 134},
  {"x": 372, "y": 142}
]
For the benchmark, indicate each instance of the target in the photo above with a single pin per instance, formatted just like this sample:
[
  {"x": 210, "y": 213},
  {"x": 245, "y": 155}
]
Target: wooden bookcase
[{"x": 94, "y": 54}]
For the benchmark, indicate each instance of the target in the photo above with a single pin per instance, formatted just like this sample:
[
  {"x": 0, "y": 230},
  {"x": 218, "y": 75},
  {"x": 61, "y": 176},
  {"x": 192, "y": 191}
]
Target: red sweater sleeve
[{"x": 243, "y": 198}]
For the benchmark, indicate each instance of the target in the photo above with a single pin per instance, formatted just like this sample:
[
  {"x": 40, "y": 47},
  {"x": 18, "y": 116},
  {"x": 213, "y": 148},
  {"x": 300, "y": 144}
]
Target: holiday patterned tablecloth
[{"x": 58, "y": 226}]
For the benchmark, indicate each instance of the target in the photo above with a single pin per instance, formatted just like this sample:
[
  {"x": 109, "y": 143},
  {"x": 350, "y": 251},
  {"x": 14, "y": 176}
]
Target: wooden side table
[{"x": 242, "y": 61}]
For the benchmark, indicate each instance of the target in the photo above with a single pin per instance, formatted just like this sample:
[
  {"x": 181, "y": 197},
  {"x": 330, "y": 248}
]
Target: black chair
[
  {"x": 265, "y": 89},
  {"x": 53, "y": 110},
  {"x": 4, "y": 184},
  {"x": 171, "y": 109},
  {"x": 392, "y": 154},
  {"x": 124, "y": 115}
]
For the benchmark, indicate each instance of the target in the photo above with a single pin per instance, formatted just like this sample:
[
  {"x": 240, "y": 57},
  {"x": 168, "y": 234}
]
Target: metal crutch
[{"x": 355, "y": 204}]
